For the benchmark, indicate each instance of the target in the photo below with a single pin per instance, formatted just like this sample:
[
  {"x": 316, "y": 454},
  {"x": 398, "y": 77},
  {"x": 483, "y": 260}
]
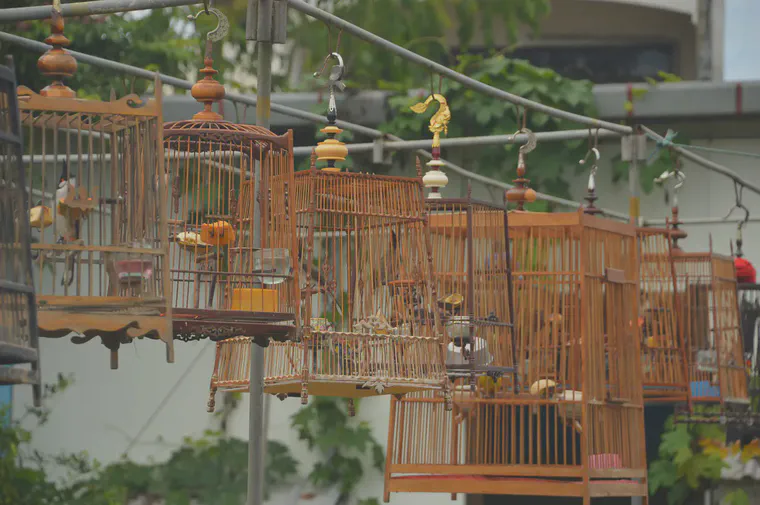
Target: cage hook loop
[{"x": 222, "y": 23}]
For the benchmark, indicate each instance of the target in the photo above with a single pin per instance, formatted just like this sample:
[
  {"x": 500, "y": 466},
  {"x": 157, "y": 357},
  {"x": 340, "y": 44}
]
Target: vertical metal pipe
[
  {"x": 510, "y": 294},
  {"x": 634, "y": 208},
  {"x": 257, "y": 437}
]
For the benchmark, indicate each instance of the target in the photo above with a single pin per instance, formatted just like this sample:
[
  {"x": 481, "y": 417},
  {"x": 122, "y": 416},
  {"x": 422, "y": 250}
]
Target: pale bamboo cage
[
  {"x": 19, "y": 345},
  {"x": 233, "y": 243},
  {"x": 366, "y": 287},
  {"x": 571, "y": 424},
  {"x": 101, "y": 259}
]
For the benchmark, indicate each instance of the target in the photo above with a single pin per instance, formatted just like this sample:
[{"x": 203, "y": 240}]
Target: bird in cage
[
  {"x": 68, "y": 220},
  {"x": 490, "y": 383},
  {"x": 570, "y": 412}
]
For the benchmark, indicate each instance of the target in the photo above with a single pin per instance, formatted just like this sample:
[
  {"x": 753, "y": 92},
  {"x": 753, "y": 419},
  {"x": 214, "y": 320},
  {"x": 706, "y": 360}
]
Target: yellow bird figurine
[{"x": 440, "y": 120}]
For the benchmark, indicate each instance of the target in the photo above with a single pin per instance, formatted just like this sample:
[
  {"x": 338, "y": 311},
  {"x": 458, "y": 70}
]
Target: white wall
[{"x": 105, "y": 408}]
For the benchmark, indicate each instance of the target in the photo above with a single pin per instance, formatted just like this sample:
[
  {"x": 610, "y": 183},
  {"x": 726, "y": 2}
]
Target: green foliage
[
  {"x": 423, "y": 26},
  {"x": 343, "y": 444},
  {"x": 736, "y": 497},
  {"x": 207, "y": 470},
  {"x": 683, "y": 468},
  {"x": 477, "y": 114}
]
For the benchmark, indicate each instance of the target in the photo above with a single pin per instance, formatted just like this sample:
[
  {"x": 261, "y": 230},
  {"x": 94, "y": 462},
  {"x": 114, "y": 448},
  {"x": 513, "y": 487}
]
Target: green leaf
[
  {"x": 736, "y": 497},
  {"x": 678, "y": 494}
]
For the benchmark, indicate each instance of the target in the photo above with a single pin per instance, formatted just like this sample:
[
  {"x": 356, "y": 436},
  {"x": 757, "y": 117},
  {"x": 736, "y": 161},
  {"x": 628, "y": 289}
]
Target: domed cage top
[
  {"x": 18, "y": 308},
  {"x": 664, "y": 355},
  {"x": 225, "y": 284},
  {"x": 571, "y": 420},
  {"x": 101, "y": 256}
]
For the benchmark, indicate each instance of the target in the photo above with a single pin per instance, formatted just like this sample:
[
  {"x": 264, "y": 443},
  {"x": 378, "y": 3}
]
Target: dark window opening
[{"x": 599, "y": 64}]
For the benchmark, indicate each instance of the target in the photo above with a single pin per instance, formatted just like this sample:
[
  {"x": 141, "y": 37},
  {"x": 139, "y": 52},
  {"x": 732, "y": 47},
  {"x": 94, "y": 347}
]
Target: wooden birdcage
[
  {"x": 365, "y": 289},
  {"x": 232, "y": 243},
  {"x": 710, "y": 315},
  {"x": 18, "y": 308},
  {"x": 101, "y": 258},
  {"x": 664, "y": 356},
  {"x": 572, "y": 423},
  {"x": 471, "y": 271}
]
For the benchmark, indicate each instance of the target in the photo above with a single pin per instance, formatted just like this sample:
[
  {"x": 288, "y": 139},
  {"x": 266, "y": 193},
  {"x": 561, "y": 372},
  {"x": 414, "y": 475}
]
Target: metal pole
[
  {"x": 703, "y": 220},
  {"x": 467, "y": 82},
  {"x": 256, "y": 435},
  {"x": 40, "y": 47},
  {"x": 410, "y": 145},
  {"x": 699, "y": 160},
  {"x": 634, "y": 205},
  {"x": 88, "y": 8}
]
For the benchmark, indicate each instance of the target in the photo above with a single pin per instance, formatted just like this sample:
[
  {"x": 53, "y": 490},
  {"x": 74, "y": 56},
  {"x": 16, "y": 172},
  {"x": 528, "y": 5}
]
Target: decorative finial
[
  {"x": 57, "y": 63},
  {"x": 418, "y": 165},
  {"x": 208, "y": 90},
  {"x": 520, "y": 192},
  {"x": 331, "y": 149},
  {"x": 435, "y": 179},
  {"x": 676, "y": 233}
]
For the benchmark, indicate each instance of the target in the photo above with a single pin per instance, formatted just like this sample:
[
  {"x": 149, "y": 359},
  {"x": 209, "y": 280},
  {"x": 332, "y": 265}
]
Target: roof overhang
[{"x": 689, "y": 7}]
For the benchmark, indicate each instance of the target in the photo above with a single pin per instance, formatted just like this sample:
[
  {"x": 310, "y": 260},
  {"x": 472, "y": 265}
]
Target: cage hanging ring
[{"x": 222, "y": 23}]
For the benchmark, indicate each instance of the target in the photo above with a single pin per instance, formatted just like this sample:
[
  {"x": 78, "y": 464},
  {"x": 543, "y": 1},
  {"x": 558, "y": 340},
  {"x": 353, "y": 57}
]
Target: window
[{"x": 601, "y": 64}]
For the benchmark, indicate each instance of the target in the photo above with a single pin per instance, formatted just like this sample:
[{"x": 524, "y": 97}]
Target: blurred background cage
[
  {"x": 233, "y": 251},
  {"x": 664, "y": 355},
  {"x": 572, "y": 423},
  {"x": 710, "y": 315},
  {"x": 101, "y": 251},
  {"x": 18, "y": 307}
]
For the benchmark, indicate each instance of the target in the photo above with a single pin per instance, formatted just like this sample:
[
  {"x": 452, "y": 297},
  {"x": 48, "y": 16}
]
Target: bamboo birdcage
[
  {"x": 18, "y": 308},
  {"x": 664, "y": 357},
  {"x": 101, "y": 259},
  {"x": 664, "y": 354},
  {"x": 225, "y": 284},
  {"x": 471, "y": 271},
  {"x": 575, "y": 280},
  {"x": 365, "y": 289},
  {"x": 710, "y": 314}
]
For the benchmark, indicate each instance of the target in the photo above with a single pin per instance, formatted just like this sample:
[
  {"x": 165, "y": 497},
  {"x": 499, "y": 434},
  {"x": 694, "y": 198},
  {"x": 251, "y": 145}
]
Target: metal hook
[
  {"x": 738, "y": 205},
  {"x": 338, "y": 70},
  {"x": 592, "y": 171},
  {"x": 222, "y": 24},
  {"x": 530, "y": 144}
]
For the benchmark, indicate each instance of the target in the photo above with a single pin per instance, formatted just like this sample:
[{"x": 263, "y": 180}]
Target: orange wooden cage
[
  {"x": 224, "y": 283},
  {"x": 664, "y": 356},
  {"x": 570, "y": 421},
  {"x": 101, "y": 258}
]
